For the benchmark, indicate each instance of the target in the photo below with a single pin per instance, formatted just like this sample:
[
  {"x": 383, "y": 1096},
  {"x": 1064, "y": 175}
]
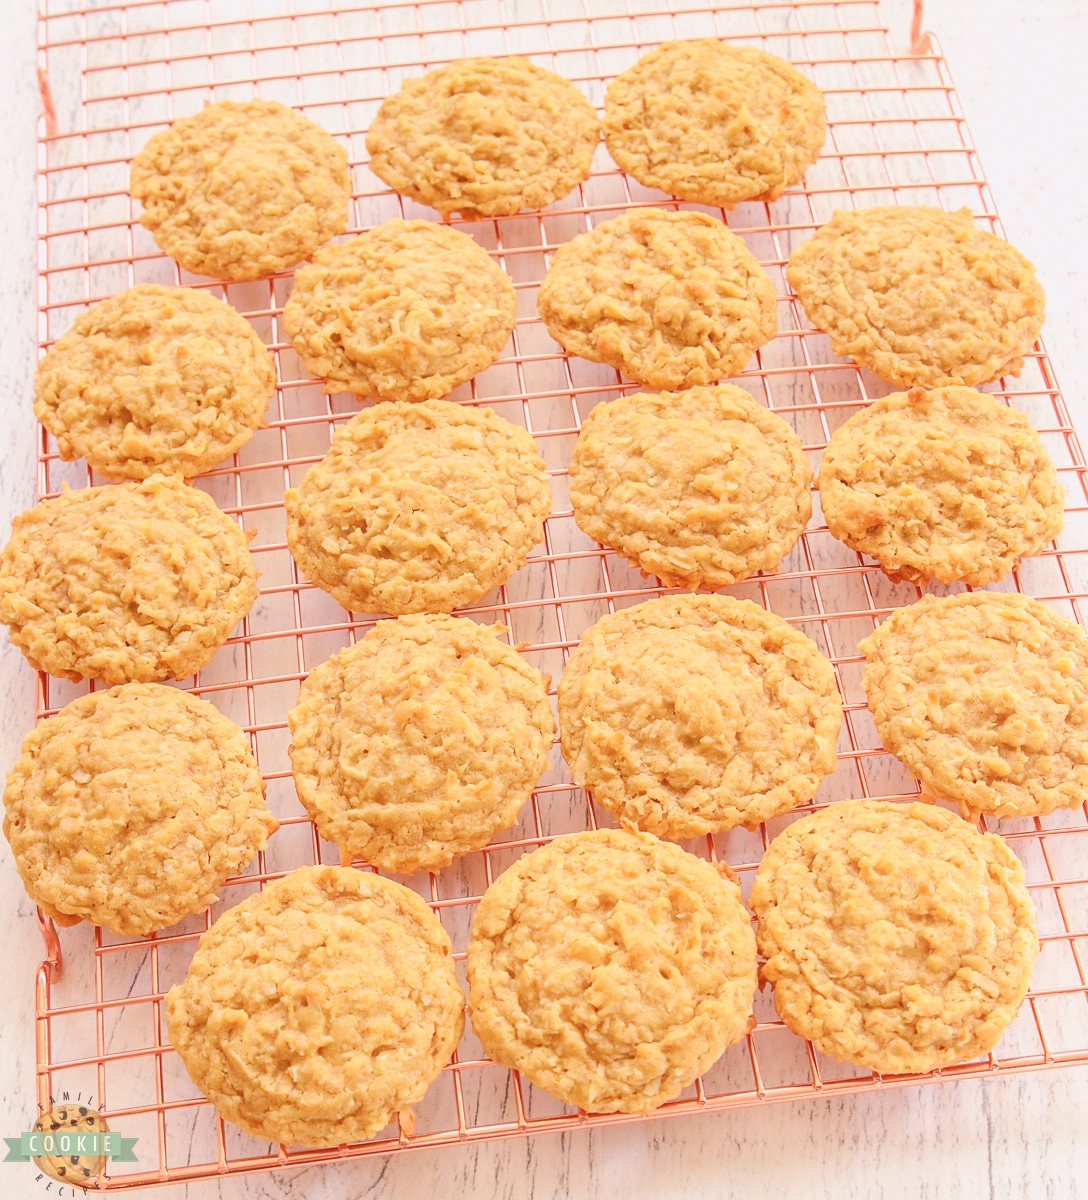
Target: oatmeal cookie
[
  {"x": 611, "y": 969},
  {"x": 484, "y": 137},
  {"x": 691, "y": 714},
  {"x": 242, "y": 189},
  {"x": 714, "y": 123},
  {"x": 130, "y": 582},
  {"x": 700, "y": 488},
  {"x": 317, "y": 1010},
  {"x": 420, "y": 742},
  {"x": 919, "y": 296},
  {"x": 984, "y": 698},
  {"x": 155, "y": 379},
  {"x": 418, "y": 507},
  {"x": 947, "y": 484},
  {"x": 130, "y": 807},
  {"x": 673, "y": 299},
  {"x": 405, "y": 312},
  {"x": 897, "y": 936}
]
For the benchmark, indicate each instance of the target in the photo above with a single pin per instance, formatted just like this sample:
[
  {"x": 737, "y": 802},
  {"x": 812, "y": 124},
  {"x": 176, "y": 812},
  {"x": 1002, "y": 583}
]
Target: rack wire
[{"x": 113, "y": 73}]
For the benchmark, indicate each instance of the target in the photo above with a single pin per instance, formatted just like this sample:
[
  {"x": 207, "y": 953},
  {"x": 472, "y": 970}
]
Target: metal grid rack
[{"x": 113, "y": 72}]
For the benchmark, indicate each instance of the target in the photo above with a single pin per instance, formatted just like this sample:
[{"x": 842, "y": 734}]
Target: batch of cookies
[{"x": 610, "y": 967}]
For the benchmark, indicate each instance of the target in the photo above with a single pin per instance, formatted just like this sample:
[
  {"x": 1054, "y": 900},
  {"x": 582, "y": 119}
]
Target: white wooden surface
[{"x": 1020, "y": 72}]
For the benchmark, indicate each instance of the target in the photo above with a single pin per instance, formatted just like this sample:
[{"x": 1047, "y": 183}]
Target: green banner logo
[{"x": 69, "y": 1142}]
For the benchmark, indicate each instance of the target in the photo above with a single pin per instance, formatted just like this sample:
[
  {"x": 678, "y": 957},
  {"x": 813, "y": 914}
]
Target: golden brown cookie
[
  {"x": 701, "y": 488},
  {"x": 484, "y": 137},
  {"x": 133, "y": 581},
  {"x": 318, "y": 1009},
  {"x": 611, "y": 969},
  {"x": 130, "y": 807},
  {"x": 947, "y": 484},
  {"x": 405, "y": 312},
  {"x": 919, "y": 296},
  {"x": 420, "y": 742},
  {"x": 897, "y": 936},
  {"x": 418, "y": 507},
  {"x": 71, "y": 1118},
  {"x": 691, "y": 714},
  {"x": 984, "y": 697},
  {"x": 155, "y": 379},
  {"x": 714, "y": 123},
  {"x": 672, "y": 299},
  {"x": 242, "y": 189}
]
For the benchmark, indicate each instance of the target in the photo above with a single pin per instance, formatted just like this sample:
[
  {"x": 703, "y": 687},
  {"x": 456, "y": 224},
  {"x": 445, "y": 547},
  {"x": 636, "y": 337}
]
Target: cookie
[
  {"x": 130, "y": 807},
  {"x": 984, "y": 698},
  {"x": 485, "y": 137},
  {"x": 242, "y": 189},
  {"x": 714, "y": 123},
  {"x": 418, "y": 508},
  {"x": 687, "y": 715},
  {"x": 919, "y": 296},
  {"x": 672, "y": 299},
  {"x": 74, "y": 1169},
  {"x": 611, "y": 969},
  {"x": 405, "y": 312},
  {"x": 131, "y": 582},
  {"x": 420, "y": 742},
  {"x": 154, "y": 379},
  {"x": 896, "y": 936},
  {"x": 318, "y": 1009},
  {"x": 947, "y": 484},
  {"x": 701, "y": 488}
]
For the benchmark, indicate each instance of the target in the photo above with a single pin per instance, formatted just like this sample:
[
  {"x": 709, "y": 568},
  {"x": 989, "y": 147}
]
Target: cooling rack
[{"x": 112, "y": 74}]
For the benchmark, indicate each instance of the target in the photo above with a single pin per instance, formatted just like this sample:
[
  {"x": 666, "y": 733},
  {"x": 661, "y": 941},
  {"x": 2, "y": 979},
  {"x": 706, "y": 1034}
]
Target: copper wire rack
[{"x": 112, "y": 74}]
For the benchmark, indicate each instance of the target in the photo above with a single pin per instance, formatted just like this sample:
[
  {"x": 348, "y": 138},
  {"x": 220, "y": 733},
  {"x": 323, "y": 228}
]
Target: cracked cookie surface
[
  {"x": 713, "y": 123},
  {"x": 920, "y": 296},
  {"x": 691, "y": 714},
  {"x": 984, "y": 697},
  {"x": 406, "y": 311},
  {"x": 611, "y": 969},
  {"x": 242, "y": 189},
  {"x": 418, "y": 507},
  {"x": 672, "y": 299},
  {"x": 897, "y": 936},
  {"x": 485, "y": 137},
  {"x": 317, "y": 1010},
  {"x": 154, "y": 379},
  {"x": 129, "y": 582},
  {"x": 130, "y": 807},
  {"x": 701, "y": 488},
  {"x": 420, "y": 742},
  {"x": 948, "y": 484}
]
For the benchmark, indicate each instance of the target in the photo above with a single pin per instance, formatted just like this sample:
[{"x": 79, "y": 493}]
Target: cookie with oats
[
  {"x": 688, "y": 714},
  {"x": 154, "y": 379},
  {"x": 406, "y": 311},
  {"x": 701, "y": 488},
  {"x": 316, "y": 1011},
  {"x": 485, "y": 137},
  {"x": 714, "y": 123},
  {"x": 130, "y": 807},
  {"x": 420, "y": 742},
  {"x": 418, "y": 507},
  {"x": 242, "y": 189},
  {"x": 920, "y": 296},
  {"x": 897, "y": 936},
  {"x": 947, "y": 484},
  {"x": 984, "y": 698},
  {"x": 138, "y": 581},
  {"x": 611, "y": 969},
  {"x": 672, "y": 299}
]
